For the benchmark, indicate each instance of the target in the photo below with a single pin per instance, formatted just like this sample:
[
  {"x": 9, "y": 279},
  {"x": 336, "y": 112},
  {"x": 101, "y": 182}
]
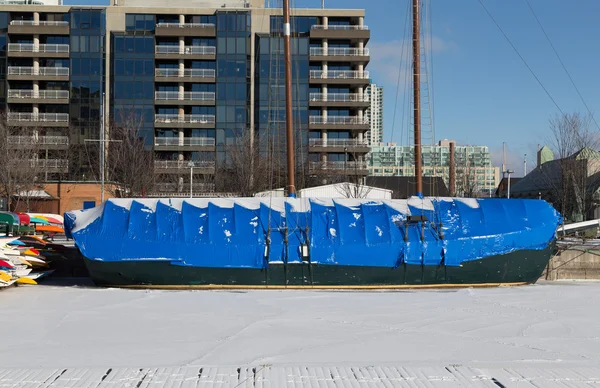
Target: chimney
[
  {"x": 539, "y": 157},
  {"x": 452, "y": 182}
]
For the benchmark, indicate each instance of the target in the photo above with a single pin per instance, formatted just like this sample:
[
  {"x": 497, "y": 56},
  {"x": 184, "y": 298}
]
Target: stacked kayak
[
  {"x": 31, "y": 224},
  {"x": 20, "y": 262}
]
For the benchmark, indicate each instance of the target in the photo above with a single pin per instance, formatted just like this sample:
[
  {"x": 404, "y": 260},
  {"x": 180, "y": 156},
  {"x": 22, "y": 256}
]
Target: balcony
[
  {"x": 44, "y": 142},
  {"x": 184, "y": 98},
  {"x": 347, "y": 54},
  {"x": 340, "y": 32},
  {"x": 28, "y": 96},
  {"x": 184, "y": 143},
  {"x": 183, "y": 166},
  {"x": 185, "y": 75},
  {"x": 41, "y": 50},
  {"x": 42, "y": 73},
  {"x": 339, "y": 122},
  {"x": 28, "y": 119},
  {"x": 50, "y": 165},
  {"x": 42, "y": 27},
  {"x": 340, "y": 167},
  {"x": 185, "y": 52},
  {"x": 339, "y": 145},
  {"x": 185, "y": 29},
  {"x": 184, "y": 121},
  {"x": 340, "y": 77},
  {"x": 339, "y": 99}
]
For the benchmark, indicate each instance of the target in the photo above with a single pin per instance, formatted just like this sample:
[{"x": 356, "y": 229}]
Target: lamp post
[
  {"x": 345, "y": 160},
  {"x": 508, "y": 172},
  {"x": 191, "y": 166}
]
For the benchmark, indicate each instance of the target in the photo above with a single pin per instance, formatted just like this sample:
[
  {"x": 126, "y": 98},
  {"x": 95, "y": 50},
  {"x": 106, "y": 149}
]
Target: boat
[{"x": 316, "y": 243}]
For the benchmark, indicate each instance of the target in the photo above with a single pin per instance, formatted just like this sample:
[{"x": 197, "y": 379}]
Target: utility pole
[
  {"x": 508, "y": 192},
  {"x": 503, "y": 159},
  {"x": 525, "y": 165}
]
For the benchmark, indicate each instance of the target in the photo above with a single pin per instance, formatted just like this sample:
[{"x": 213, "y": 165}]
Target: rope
[
  {"x": 521, "y": 57},
  {"x": 561, "y": 62}
]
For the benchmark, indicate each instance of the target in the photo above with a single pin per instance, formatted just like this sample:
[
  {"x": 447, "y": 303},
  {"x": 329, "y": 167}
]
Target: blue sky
[{"x": 484, "y": 94}]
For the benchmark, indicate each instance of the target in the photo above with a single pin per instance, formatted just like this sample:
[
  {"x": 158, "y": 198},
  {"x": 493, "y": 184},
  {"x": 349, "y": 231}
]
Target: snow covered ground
[{"x": 543, "y": 335}]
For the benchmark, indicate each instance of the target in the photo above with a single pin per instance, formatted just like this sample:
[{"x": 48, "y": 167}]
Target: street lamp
[
  {"x": 508, "y": 172},
  {"x": 191, "y": 166},
  {"x": 345, "y": 160}
]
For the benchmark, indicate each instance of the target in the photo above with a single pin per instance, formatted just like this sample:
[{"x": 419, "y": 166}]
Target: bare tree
[
  {"x": 130, "y": 164},
  {"x": 572, "y": 178},
  {"x": 20, "y": 165},
  {"x": 246, "y": 171},
  {"x": 470, "y": 187}
]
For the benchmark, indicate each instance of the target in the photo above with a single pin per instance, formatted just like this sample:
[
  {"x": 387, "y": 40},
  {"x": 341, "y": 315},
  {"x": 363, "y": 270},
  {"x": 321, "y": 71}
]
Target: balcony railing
[
  {"x": 186, "y": 141},
  {"x": 42, "y": 117},
  {"x": 339, "y": 97},
  {"x": 49, "y": 163},
  {"x": 48, "y": 71},
  {"x": 192, "y": 96},
  {"x": 339, "y": 27},
  {"x": 190, "y": 119},
  {"x": 341, "y": 51},
  {"x": 339, "y": 165},
  {"x": 187, "y": 73},
  {"x": 184, "y": 188},
  {"x": 338, "y": 143},
  {"x": 41, "y": 48},
  {"x": 41, "y": 140},
  {"x": 43, "y": 94},
  {"x": 190, "y": 50},
  {"x": 182, "y": 164},
  {"x": 58, "y": 23},
  {"x": 185, "y": 25},
  {"x": 339, "y": 74},
  {"x": 350, "y": 120}
]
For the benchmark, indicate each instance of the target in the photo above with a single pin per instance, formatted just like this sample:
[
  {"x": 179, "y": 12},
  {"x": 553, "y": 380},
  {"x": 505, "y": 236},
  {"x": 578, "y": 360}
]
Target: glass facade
[
  {"x": 269, "y": 96},
  {"x": 3, "y": 58},
  {"x": 233, "y": 87},
  {"x": 86, "y": 87},
  {"x": 132, "y": 75}
]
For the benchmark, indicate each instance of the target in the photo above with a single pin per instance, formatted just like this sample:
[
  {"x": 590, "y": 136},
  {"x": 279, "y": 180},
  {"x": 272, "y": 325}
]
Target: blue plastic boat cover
[{"x": 252, "y": 232}]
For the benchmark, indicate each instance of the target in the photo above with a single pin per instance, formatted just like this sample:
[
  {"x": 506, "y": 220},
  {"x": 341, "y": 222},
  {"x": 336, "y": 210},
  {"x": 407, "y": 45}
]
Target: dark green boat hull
[{"x": 524, "y": 266}]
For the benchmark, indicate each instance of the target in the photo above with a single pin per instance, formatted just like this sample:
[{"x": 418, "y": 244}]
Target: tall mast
[
  {"x": 417, "y": 93},
  {"x": 291, "y": 160}
]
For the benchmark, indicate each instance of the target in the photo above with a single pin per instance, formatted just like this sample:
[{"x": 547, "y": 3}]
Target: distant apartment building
[
  {"x": 199, "y": 75},
  {"x": 375, "y": 114},
  {"x": 474, "y": 170}
]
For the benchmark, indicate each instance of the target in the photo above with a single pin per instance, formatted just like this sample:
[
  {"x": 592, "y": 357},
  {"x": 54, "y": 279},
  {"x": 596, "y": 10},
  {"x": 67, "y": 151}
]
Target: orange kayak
[{"x": 49, "y": 229}]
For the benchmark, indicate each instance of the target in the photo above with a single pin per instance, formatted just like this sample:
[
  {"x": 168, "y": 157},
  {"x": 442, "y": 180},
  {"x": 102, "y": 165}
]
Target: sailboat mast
[
  {"x": 291, "y": 160},
  {"x": 417, "y": 93}
]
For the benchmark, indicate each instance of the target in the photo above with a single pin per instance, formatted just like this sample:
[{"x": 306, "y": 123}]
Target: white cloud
[{"x": 388, "y": 59}]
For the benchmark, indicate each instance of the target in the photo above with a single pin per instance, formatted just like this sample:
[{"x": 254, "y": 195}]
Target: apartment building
[
  {"x": 198, "y": 75},
  {"x": 474, "y": 171},
  {"x": 375, "y": 114}
]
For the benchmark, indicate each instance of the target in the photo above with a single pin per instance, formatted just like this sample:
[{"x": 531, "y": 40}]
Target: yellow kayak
[
  {"x": 26, "y": 280},
  {"x": 5, "y": 276}
]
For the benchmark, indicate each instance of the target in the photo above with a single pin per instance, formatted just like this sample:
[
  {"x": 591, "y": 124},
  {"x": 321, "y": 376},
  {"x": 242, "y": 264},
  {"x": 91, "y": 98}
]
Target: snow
[
  {"x": 541, "y": 326},
  {"x": 86, "y": 217}
]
